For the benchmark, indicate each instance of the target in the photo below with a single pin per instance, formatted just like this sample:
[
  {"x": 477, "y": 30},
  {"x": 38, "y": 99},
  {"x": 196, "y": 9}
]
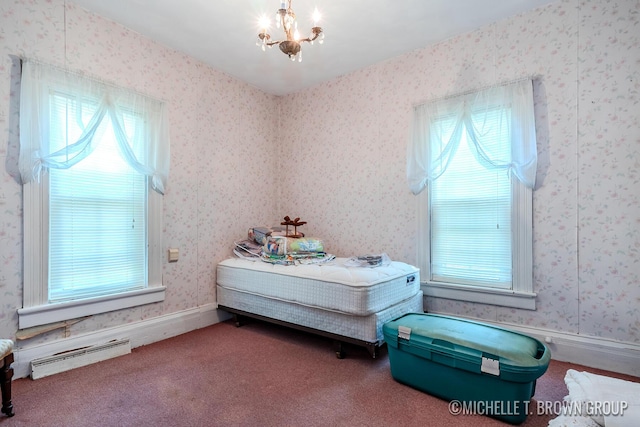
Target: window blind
[
  {"x": 97, "y": 210},
  {"x": 470, "y": 216}
]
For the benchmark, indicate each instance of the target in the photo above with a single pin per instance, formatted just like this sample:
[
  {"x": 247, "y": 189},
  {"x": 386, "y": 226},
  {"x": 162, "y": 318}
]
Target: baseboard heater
[{"x": 76, "y": 358}]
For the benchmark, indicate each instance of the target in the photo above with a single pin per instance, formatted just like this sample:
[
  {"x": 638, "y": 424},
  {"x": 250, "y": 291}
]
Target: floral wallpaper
[
  {"x": 344, "y": 144},
  {"x": 347, "y": 140},
  {"x": 220, "y": 128}
]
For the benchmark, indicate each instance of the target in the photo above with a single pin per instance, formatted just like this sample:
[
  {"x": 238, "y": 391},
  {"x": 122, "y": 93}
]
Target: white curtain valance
[
  {"x": 99, "y": 100},
  {"x": 504, "y": 112}
]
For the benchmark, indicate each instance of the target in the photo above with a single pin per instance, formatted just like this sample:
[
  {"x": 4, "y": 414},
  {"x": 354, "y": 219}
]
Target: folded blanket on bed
[
  {"x": 599, "y": 400},
  {"x": 298, "y": 259},
  {"x": 278, "y": 245}
]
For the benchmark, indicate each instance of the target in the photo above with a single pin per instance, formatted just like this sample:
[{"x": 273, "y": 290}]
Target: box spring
[{"x": 363, "y": 328}]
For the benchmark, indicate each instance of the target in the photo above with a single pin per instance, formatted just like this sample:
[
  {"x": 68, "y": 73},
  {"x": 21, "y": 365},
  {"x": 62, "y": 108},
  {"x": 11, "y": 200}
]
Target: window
[
  {"x": 93, "y": 161},
  {"x": 97, "y": 213},
  {"x": 474, "y": 156}
]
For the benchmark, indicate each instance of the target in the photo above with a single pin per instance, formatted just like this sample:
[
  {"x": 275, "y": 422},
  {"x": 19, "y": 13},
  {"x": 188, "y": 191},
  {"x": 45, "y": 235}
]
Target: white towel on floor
[{"x": 611, "y": 402}]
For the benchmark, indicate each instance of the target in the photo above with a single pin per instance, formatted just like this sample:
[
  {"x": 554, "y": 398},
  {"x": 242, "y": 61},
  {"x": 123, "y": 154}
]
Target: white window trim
[
  {"x": 521, "y": 295},
  {"x": 36, "y": 308},
  {"x": 49, "y": 313}
]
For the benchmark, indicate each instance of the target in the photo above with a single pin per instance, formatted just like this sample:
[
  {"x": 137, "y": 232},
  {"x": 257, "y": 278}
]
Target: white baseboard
[
  {"x": 593, "y": 352},
  {"x": 600, "y": 353},
  {"x": 588, "y": 351},
  {"x": 138, "y": 333}
]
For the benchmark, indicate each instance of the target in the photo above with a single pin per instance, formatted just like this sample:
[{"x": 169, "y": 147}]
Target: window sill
[
  {"x": 505, "y": 298},
  {"x": 49, "y": 313}
]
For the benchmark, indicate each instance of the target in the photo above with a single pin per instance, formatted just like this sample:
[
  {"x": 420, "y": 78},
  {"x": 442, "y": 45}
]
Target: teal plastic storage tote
[{"x": 490, "y": 370}]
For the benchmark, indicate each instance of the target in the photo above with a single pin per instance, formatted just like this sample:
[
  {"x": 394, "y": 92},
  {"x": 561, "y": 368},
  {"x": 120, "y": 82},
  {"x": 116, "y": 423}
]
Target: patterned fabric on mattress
[
  {"x": 365, "y": 328},
  {"x": 331, "y": 286}
]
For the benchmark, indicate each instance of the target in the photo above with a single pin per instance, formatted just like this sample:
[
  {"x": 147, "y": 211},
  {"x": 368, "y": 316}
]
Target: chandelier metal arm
[{"x": 306, "y": 39}]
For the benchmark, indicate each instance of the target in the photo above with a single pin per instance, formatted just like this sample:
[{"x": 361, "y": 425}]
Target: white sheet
[
  {"x": 568, "y": 421},
  {"x": 601, "y": 399}
]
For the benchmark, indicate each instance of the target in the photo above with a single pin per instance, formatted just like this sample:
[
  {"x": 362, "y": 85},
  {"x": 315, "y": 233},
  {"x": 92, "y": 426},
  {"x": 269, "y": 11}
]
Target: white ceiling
[{"x": 358, "y": 33}]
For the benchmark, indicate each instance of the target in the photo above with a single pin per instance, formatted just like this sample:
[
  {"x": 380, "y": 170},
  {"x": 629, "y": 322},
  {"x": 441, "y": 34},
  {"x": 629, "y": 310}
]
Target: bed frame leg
[
  {"x": 373, "y": 350},
  {"x": 238, "y": 320},
  {"x": 339, "y": 349}
]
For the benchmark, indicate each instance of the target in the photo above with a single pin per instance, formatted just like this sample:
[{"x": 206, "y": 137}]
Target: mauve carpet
[{"x": 255, "y": 375}]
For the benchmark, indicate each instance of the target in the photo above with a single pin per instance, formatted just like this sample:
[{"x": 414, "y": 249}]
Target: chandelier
[{"x": 286, "y": 18}]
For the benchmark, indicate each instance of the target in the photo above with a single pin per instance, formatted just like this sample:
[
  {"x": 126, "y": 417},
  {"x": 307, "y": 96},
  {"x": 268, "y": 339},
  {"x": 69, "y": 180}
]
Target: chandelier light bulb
[
  {"x": 316, "y": 17},
  {"x": 264, "y": 24}
]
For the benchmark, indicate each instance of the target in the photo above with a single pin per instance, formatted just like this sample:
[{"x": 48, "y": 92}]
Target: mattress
[
  {"x": 356, "y": 291},
  {"x": 366, "y": 328}
]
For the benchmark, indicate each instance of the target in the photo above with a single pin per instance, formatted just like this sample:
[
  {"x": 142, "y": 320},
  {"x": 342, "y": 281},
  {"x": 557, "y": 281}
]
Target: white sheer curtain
[
  {"x": 446, "y": 119},
  {"x": 39, "y": 151}
]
